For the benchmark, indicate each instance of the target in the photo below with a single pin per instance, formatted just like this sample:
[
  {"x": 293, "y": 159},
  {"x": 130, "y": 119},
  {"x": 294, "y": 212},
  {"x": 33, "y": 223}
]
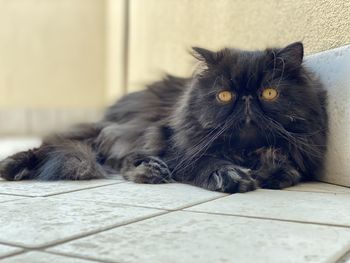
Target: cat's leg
[
  {"x": 63, "y": 157},
  {"x": 70, "y": 160},
  {"x": 219, "y": 175},
  {"x": 19, "y": 166},
  {"x": 141, "y": 168},
  {"x": 275, "y": 170}
]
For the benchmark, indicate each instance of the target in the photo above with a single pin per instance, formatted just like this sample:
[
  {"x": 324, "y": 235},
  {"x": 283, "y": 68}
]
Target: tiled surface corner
[
  {"x": 8, "y": 250},
  {"x": 41, "y": 257},
  {"x": 345, "y": 258},
  {"x": 163, "y": 196},
  {"x": 321, "y": 208},
  {"x": 37, "y": 222},
  {"x": 320, "y": 187},
  {"x": 193, "y": 237}
]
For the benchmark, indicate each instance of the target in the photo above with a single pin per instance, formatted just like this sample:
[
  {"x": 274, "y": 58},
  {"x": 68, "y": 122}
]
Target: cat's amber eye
[
  {"x": 269, "y": 94},
  {"x": 225, "y": 96}
]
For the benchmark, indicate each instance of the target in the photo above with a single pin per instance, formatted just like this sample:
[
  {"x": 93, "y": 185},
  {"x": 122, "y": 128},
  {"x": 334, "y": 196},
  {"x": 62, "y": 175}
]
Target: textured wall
[
  {"x": 116, "y": 38},
  {"x": 70, "y": 53},
  {"x": 163, "y": 30},
  {"x": 52, "y": 53}
]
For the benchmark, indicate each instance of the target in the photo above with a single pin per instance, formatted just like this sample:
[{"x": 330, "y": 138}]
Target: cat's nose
[
  {"x": 247, "y": 98},
  {"x": 248, "y": 111}
]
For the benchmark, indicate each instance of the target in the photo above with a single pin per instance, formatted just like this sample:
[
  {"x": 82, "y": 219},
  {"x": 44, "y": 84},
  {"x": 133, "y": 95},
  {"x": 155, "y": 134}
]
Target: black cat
[{"x": 245, "y": 119}]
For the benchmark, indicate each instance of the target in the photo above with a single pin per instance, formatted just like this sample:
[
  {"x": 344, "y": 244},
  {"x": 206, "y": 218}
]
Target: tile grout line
[
  {"x": 166, "y": 211},
  {"x": 78, "y": 257},
  {"x": 69, "y": 191},
  {"x": 120, "y": 182},
  {"x": 77, "y": 190},
  {"x": 44, "y": 248},
  {"x": 18, "y": 195},
  {"x": 12, "y": 245},
  {"x": 200, "y": 203},
  {"x": 148, "y": 207},
  {"x": 317, "y": 192},
  {"x": 268, "y": 218},
  {"x": 130, "y": 222},
  {"x": 13, "y": 254},
  {"x": 26, "y": 250},
  {"x": 11, "y": 200},
  {"x": 83, "y": 235},
  {"x": 90, "y": 233},
  {"x": 345, "y": 257}
]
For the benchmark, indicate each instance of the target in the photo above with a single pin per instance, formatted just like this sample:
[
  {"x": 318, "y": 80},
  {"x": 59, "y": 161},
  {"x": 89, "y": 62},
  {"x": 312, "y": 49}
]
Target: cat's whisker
[
  {"x": 299, "y": 143},
  {"x": 201, "y": 149}
]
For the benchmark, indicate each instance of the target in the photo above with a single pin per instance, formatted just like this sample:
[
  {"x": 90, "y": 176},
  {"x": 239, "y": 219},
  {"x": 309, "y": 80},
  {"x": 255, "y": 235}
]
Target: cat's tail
[{"x": 69, "y": 156}]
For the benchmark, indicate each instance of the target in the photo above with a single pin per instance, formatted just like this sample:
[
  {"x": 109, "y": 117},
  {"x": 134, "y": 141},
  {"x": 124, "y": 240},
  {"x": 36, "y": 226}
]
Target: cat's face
[{"x": 253, "y": 94}]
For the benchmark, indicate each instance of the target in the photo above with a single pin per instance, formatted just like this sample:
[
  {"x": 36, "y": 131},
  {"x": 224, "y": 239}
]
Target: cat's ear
[
  {"x": 292, "y": 54},
  {"x": 207, "y": 56}
]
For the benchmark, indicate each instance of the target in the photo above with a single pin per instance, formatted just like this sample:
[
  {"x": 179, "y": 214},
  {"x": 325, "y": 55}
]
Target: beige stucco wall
[
  {"x": 71, "y": 53},
  {"x": 163, "y": 30},
  {"x": 116, "y": 55},
  {"x": 52, "y": 53}
]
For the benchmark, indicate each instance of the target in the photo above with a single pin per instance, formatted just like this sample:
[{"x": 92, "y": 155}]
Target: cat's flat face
[{"x": 254, "y": 93}]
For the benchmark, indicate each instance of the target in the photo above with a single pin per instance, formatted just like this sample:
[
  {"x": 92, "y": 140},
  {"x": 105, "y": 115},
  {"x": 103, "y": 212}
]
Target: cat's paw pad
[
  {"x": 232, "y": 179},
  {"x": 149, "y": 170}
]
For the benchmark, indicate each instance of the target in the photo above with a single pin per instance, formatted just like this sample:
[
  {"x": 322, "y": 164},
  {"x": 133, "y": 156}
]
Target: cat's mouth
[
  {"x": 248, "y": 131},
  {"x": 249, "y": 135}
]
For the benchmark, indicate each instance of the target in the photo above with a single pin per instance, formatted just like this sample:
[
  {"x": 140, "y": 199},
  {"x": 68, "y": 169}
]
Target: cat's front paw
[
  {"x": 275, "y": 172},
  {"x": 231, "y": 179},
  {"x": 147, "y": 170},
  {"x": 279, "y": 178}
]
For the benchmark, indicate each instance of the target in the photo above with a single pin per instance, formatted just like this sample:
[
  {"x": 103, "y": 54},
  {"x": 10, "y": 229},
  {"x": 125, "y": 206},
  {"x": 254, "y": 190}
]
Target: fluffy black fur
[{"x": 177, "y": 131}]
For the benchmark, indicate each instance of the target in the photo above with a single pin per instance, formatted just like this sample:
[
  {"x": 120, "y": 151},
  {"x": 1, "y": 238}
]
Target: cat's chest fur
[
  {"x": 244, "y": 150},
  {"x": 245, "y": 157}
]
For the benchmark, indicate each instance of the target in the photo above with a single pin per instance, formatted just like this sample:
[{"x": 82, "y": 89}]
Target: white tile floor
[{"x": 117, "y": 221}]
